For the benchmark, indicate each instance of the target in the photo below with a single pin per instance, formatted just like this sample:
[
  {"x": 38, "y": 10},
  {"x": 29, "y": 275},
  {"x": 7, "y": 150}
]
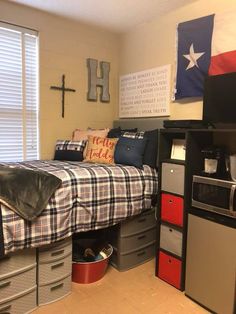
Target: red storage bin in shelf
[
  {"x": 172, "y": 209},
  {"x": 169, "y": 269}
]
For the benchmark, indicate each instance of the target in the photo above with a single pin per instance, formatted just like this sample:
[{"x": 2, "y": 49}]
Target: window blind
[{"x": 18, "y": 94}]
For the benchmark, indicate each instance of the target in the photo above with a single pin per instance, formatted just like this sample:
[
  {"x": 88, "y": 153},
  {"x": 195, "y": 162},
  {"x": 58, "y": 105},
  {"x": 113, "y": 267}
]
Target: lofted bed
[
  {"x": 91, "y": 196},
  {"x": 36, "y": 247}
]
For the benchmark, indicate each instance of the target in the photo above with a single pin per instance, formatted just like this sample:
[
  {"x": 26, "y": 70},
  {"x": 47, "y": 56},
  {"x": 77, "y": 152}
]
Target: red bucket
[{"x": 88, "y": 272}]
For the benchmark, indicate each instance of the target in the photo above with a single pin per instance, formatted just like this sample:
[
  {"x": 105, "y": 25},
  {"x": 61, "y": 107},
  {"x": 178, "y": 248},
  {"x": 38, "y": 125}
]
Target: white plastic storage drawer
[
  {"x": 21, "y": 303},
  {"x": 54, "y": 291},
  {"x": 49, "y": 272},
  {"x": 172, "y": 178},
  {"x": 171, "y": 240},
  {"x": 17, "y": 262},
  {"x": 138, "y": 240},
  {"x": 138, "y": 224},
  {"x": 16, "y": 284},
  {"x": 126, "y": 261},
  {"x": 55, "y": 251}
]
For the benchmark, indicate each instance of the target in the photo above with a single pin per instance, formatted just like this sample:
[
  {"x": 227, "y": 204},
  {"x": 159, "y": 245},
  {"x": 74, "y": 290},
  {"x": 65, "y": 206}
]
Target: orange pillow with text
[{"x": 100, "y": 149}]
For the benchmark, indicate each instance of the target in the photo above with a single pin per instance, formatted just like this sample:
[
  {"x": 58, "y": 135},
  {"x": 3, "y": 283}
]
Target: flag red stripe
[{"x": 223, "y": 63}]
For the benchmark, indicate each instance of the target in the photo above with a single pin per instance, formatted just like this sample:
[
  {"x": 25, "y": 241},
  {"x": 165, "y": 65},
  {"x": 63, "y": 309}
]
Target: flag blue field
[{"x": 193, "y": 56}]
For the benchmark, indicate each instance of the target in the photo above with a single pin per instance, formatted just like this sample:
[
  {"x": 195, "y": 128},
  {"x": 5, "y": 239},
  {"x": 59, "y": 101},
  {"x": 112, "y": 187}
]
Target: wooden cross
[{"x": 63, "y": 89}]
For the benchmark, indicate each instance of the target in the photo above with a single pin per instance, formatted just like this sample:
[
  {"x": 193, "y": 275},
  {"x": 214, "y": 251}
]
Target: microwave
[{"x": 214, "y": 195}]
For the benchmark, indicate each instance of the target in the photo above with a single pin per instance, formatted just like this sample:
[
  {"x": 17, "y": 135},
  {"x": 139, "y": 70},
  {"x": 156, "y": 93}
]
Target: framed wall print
[
  {"x": 145, "y": 93},
  {"x": 178, "y": 149}
]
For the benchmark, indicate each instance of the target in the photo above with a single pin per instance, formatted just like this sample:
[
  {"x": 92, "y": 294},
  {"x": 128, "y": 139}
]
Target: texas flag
[{"x": 206, "y": 46}]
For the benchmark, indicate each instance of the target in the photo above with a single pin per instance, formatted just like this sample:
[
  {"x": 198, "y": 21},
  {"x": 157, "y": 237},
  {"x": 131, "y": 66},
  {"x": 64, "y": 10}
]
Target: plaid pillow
[
  {"x": 139, "y": 135},
  {"x": 69, "y": 150},
  {"x": 117, "y": 132}
]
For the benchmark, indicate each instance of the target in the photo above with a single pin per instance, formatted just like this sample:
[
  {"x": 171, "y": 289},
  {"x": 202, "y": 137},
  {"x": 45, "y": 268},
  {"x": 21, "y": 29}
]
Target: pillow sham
[
  {"x": 130, "y": 151},
  {"x": 150, "y": 154},
  {"x": 100, "y": 150},
  {"x": 82, "y": 135},
  {"x": 69, "y": 150}
]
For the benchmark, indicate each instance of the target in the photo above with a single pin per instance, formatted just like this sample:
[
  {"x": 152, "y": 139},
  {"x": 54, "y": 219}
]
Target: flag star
[{"x": 193, "y": 57}]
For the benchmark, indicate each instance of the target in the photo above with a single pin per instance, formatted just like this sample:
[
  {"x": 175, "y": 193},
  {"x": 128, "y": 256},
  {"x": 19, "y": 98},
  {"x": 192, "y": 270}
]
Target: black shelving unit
[
  {"x": 171, "y": 230},
  {"x": 174, "y": 201}
]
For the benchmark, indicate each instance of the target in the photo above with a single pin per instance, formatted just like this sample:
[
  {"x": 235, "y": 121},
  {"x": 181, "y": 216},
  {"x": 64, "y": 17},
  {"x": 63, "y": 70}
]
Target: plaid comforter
[{"x": 92, "y": 196}]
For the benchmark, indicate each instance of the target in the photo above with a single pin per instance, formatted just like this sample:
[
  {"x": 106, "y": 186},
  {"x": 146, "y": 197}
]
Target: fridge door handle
[{"x": 231, "y": 198}]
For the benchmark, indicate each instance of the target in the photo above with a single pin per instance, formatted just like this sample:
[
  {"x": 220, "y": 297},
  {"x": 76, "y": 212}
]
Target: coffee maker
[{"x": 214, "y": 162}]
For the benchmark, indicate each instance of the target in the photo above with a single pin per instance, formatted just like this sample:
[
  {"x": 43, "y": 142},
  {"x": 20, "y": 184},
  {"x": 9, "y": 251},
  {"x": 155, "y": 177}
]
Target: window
[{"x": 18, "y": 93}]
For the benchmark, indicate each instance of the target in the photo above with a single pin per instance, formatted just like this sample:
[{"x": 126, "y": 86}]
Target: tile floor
[{"x": 131, "y": 292}]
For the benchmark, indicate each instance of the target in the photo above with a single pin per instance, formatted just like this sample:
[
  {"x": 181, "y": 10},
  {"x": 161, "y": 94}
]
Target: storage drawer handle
[
  {"x": 170, "y": 201},
  {"x": 5, "y": 284},
  {"x": 57, "y": 286},
  {"x": 169, "y": 261},
  {"x": 5, "y": 309},
  {"x": 57, "y": 265},
  {"x": 142, "y": 237},
  {"x": 141, "y": 253},
  {"x": 142, "y": 220},
  {"x": 170, "y": 230},
  {"x": 57, "y": 253}
]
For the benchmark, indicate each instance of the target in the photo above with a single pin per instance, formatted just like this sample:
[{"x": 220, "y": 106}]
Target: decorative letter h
[{"x": 94, "y": 81}]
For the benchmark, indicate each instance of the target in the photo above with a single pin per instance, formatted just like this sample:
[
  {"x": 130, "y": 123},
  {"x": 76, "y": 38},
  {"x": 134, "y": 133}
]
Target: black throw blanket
[{"x": 25, "y": 191}]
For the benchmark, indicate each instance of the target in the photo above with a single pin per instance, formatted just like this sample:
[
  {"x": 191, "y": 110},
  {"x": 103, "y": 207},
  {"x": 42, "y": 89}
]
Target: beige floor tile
[{"x": 136, "y": 291}]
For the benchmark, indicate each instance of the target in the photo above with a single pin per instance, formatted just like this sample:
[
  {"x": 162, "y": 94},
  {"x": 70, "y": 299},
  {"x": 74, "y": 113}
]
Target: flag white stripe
[{"x": 224, "y": 33}]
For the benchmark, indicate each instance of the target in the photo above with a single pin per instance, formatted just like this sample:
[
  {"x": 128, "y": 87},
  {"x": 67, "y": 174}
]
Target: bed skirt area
[{"x": 91, "y": 197}]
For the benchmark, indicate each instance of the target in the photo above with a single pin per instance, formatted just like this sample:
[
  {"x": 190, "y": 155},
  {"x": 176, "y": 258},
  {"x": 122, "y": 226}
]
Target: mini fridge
[{"x": 211, "y": 261}]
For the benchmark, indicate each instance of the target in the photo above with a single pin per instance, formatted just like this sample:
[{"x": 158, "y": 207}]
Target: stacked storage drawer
[
  {"x": 54, "y": 271},
  {"x": 171, "y": 224},
  {"x": 134, "y": 241},
  {"x": 18, "y": 289}
]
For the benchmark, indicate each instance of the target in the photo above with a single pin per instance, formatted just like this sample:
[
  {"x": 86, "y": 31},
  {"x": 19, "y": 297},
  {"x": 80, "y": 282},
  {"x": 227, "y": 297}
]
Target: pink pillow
[{"x": 80, "y": 135}]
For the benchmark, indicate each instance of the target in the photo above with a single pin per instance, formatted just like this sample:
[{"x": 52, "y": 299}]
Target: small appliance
[
  {"x": 214, "y": 195},
  {"x": 214, "y": 162},
  {"x": 232, "y": 166}
]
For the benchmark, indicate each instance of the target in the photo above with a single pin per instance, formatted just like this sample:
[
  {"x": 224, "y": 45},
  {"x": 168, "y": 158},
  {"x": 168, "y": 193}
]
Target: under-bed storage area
[
  {"x": 133, "y": 241},
  {"x": 54, "y": 271},
  {"x": 33, "y": 277},
  {"x": 18, "y": 285}
]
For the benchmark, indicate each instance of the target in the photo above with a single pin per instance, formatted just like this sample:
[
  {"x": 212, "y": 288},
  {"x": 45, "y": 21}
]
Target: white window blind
[{"x": 18, "y": 93}]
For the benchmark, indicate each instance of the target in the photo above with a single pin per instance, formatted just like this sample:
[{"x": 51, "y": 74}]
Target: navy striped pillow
[{"x": 69, "y": 150}]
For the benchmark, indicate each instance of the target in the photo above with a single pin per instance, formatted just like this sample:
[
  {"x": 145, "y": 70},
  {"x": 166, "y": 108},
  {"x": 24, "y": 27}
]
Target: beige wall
[
  {"x": 153, "y": 44},
  {"x": 64, "y": 47}
]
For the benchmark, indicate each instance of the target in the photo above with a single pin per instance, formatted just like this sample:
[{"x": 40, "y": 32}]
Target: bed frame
[
  {"x": 142, "y": 124},
  {"x": 18, "y": 261}
]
